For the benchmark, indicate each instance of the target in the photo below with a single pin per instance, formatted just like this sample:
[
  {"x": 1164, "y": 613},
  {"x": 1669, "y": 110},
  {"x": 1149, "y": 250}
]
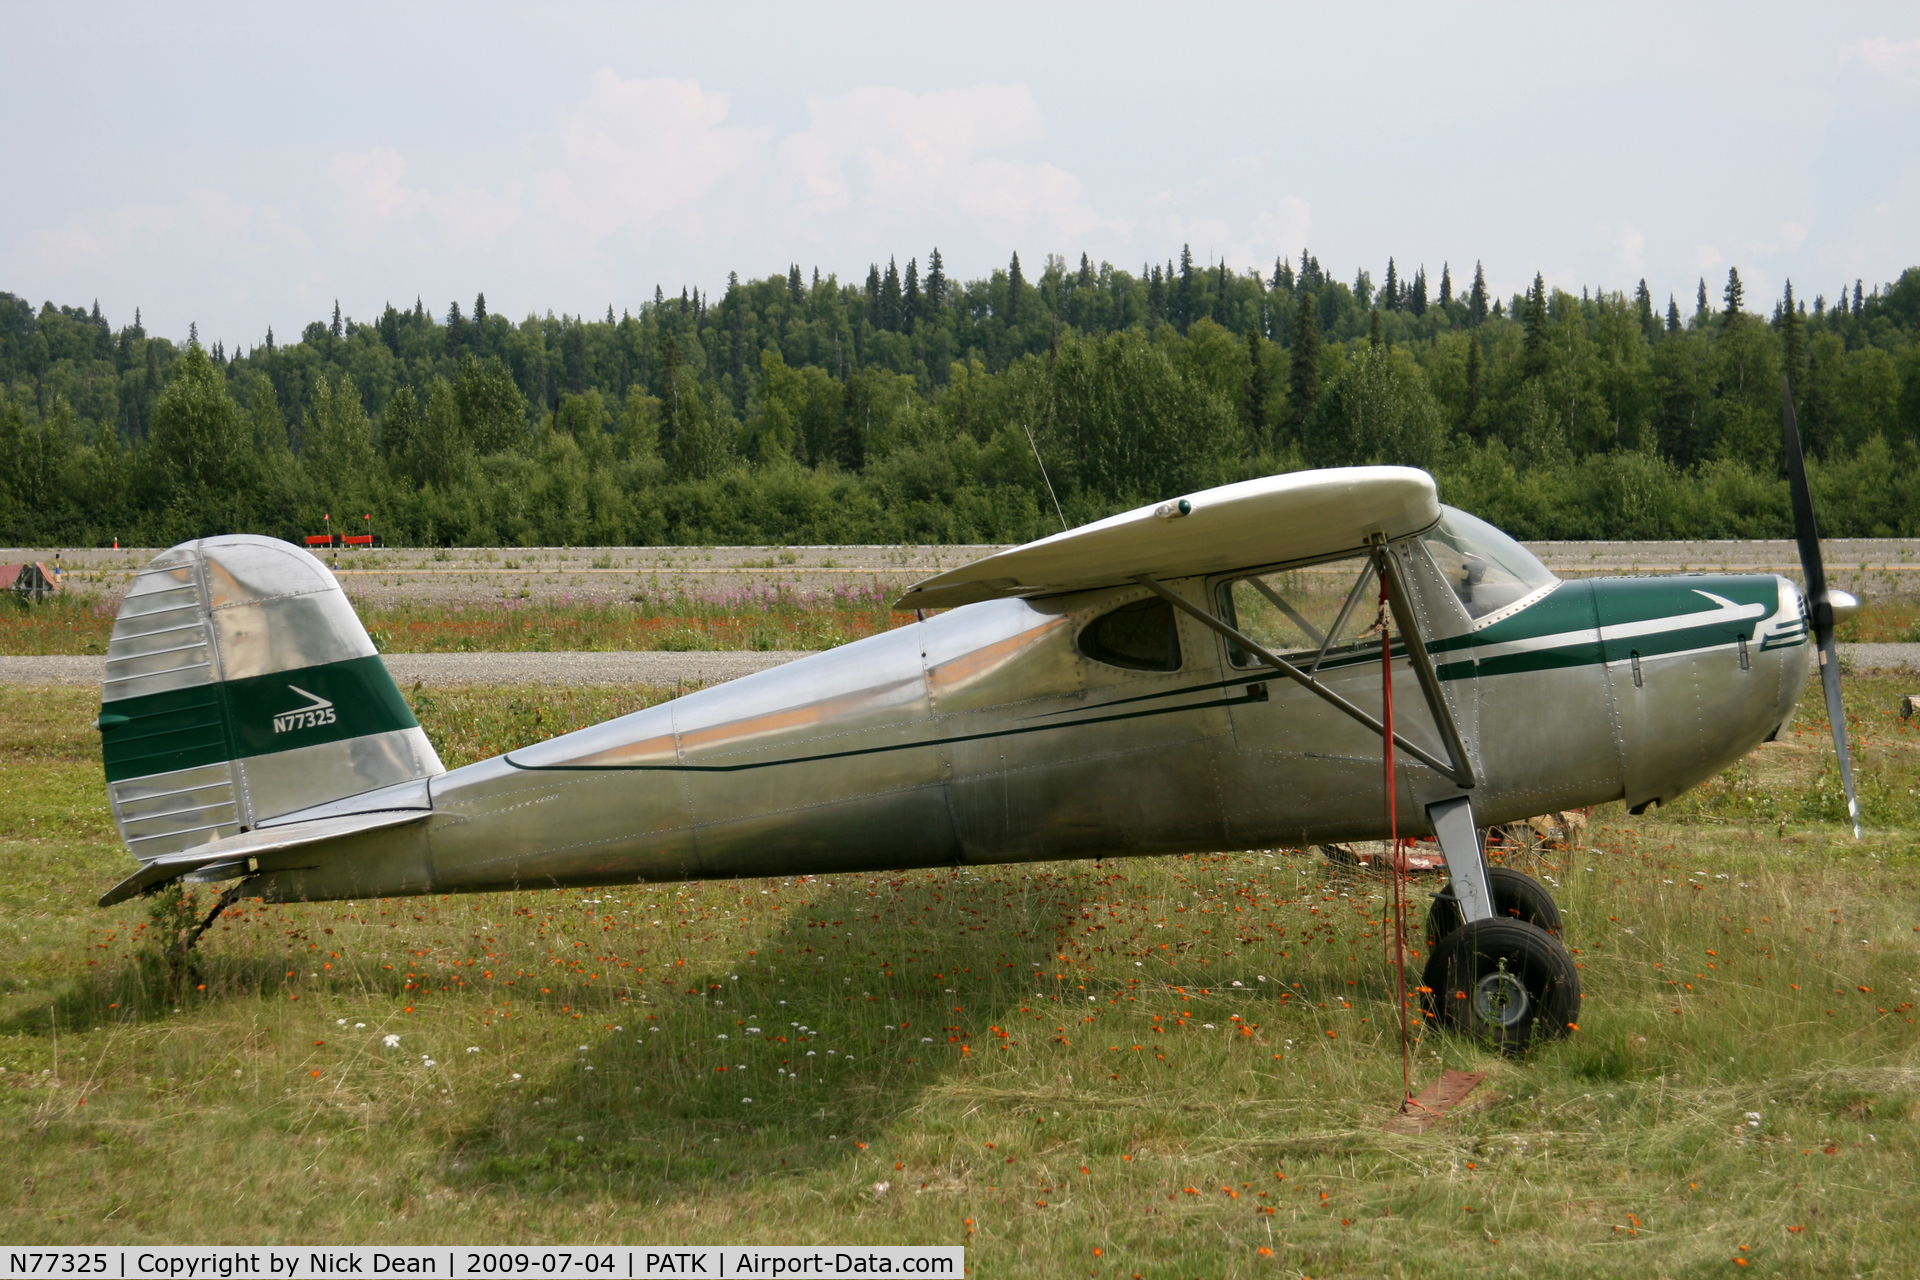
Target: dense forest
[{"x": 913, "y": 408}]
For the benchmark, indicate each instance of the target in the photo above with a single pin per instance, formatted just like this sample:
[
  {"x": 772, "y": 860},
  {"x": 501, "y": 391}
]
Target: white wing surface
[{"x": 1301, "y": 516}]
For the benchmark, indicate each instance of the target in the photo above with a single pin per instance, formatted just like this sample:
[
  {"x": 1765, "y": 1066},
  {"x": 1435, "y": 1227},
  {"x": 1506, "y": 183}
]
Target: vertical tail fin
[{"x": 240, "y": 687}]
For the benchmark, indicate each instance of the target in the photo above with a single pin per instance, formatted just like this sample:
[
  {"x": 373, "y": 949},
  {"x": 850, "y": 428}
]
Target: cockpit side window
[
  {"x": 1486, "y": 569},
  {"x": 1141, "y": 636}
]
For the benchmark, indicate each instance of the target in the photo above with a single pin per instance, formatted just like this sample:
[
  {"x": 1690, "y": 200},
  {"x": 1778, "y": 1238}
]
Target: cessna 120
[{"x": 1203, "y": 674}]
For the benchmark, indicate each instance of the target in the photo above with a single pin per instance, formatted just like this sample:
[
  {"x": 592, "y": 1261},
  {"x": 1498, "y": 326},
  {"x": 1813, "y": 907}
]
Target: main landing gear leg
[
  {"x": 1497, "y": 969},
  {"x": 1466, "y": 864}
]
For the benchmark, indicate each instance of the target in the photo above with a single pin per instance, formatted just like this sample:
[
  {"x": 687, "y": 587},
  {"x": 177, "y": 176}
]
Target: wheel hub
[{"x": 1501, "y": 999}]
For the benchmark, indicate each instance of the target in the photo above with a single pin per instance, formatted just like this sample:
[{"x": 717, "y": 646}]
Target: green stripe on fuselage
[
  {"x": 1584, "y": 610},
  {"x": 255, "y": 716}
]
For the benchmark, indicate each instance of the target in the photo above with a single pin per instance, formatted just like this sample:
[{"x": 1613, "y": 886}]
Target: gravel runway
[{"x": 472, "y": 575}]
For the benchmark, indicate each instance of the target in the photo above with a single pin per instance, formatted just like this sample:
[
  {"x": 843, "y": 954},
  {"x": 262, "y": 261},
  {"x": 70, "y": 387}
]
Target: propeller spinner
[{"x": 1821, "y": 602}]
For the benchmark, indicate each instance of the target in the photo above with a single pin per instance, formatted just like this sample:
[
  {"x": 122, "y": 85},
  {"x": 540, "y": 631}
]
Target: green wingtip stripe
[{"x": 255, "y": 716}]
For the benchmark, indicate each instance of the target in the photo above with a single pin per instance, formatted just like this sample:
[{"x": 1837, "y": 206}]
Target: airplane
[{"x": 1201, "y": 674}]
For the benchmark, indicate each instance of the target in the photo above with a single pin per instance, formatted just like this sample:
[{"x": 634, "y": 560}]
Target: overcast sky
[{"x": 243, "y": 167}]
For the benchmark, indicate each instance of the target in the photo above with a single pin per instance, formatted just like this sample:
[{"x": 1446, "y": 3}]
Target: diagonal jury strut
[{"x": 1461, "y": 776}]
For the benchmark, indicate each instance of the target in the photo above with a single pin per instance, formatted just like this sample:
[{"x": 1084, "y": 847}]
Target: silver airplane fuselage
[{"x": 987, "y": 734}]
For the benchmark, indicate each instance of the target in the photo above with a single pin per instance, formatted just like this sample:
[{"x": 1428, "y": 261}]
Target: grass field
[
  {"x": 1163, "y": 1068},
  {"x": 760, "y": 618}
]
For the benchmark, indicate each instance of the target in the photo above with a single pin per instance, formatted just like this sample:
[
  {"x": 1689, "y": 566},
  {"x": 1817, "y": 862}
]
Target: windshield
[{"x": 1486, "y": 569}]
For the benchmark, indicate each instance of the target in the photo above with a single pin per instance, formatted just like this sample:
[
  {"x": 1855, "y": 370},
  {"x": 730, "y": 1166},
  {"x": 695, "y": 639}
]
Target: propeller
[{"x": 1820, "y": 601}]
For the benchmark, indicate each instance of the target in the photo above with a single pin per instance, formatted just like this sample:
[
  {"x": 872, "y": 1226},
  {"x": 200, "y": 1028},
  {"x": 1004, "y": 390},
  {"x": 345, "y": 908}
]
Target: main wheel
[
  {"x": 1515, "y": 897},
  {"x": 1505, "y": 982}
]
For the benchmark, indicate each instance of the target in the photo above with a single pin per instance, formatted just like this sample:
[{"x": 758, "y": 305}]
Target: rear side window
[{"x": 1141, "y": 636}]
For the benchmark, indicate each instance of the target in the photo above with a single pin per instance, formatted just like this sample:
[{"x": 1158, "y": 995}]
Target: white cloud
[
  {"x": 640, "y": 156},
  {"x": 887, "y": 158},
  {"x": 369, "y": 199},
  {"x": 637, "y": 169},
  {"x": 1898, "y": 61},
  {"x": 1278, "y": 231},
  {"x": 1629, "y": 244},
  {"x": 91, "y": 240}
]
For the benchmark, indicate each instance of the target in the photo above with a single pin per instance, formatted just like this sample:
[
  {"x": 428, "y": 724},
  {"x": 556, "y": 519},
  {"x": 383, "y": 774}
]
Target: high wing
[{"x": 1276, "y": 518}]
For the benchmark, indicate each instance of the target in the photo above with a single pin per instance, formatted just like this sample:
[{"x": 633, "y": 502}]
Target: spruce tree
[
  {"x": 1016, "y": 285},
  {"x": 1417, "y": 296},
  {"x": 1534, "y": 351},
  {"x": 1183, "y": 298},
  {"x": 480, "y": 310},
  {"x": 1477, "y": 297},
  {"x": 1446, "y": 286},
  {"x": 1673, "y": 315},
  {"x": 796, "y": 287},
  {"x": 1390, "y": 291},
  {"x": 873, "y": 294},
  {"x": 1470, "y": 408},
  {"x": 336, "y": 332},
  {"x": 1793, "y": 337},
  {"x": 1644, "y": 301},
  {"x": 936, "y": 283},
  {"x": 1303, "y": 376},
  {"x": 1256, "y": 411},
  {"x": 1858, "y": 301},
  {"x": 1734, "y": 295},
  {"x": 1156, "y": 296},
  {"x": 890, "y": 297},
  {"x": 910, "y": 295},
  {"x": 1700, "y": 307}
]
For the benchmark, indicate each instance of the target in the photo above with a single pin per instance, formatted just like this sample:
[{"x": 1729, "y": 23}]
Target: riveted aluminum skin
[{"x": 985, "y": 734}]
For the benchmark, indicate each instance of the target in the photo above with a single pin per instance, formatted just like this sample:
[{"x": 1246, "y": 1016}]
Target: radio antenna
[{"x": 1043, "y": 475}]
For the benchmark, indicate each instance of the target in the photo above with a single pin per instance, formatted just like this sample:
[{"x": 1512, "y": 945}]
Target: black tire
[
  {"x": 1503, "y": 982},
  {"x": 1515, "y": 897}
]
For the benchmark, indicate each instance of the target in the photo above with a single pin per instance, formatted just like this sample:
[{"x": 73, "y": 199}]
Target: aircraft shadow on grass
[{"x": 662, "y": 1117}]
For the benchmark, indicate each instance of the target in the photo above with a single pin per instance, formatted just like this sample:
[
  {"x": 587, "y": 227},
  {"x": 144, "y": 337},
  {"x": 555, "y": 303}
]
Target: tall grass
[
  {"x": 1161, "y": 1067},
  {"x": 774, "y": 616}
]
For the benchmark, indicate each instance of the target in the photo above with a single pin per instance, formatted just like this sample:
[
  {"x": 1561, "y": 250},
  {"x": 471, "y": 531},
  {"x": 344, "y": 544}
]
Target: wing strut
[
  {"x": 1462, "y": 775},
  {"x": 1422, "y": 662}
]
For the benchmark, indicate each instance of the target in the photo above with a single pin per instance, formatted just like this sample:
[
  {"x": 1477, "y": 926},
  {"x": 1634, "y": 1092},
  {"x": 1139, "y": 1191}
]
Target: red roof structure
[{"x": 32, "y": 579}]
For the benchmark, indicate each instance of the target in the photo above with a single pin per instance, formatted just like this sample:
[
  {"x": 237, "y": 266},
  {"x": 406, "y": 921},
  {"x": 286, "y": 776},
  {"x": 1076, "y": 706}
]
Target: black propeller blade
[{"x": 1819, "y": 599}]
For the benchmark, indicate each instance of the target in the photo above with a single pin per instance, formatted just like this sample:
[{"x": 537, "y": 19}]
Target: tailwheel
[
  {"x": 1504, "y": 982},
  {"x": 1515, "y": 897}
]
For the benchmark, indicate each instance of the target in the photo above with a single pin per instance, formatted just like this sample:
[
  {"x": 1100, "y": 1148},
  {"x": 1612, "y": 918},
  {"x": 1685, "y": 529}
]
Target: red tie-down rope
[{"x": 1395, "y": 849}]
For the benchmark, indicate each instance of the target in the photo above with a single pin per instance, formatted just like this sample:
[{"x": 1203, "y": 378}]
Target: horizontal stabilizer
[
  {"x": 247, "y": 844},
  {"x": 1305, "y": 515}
]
